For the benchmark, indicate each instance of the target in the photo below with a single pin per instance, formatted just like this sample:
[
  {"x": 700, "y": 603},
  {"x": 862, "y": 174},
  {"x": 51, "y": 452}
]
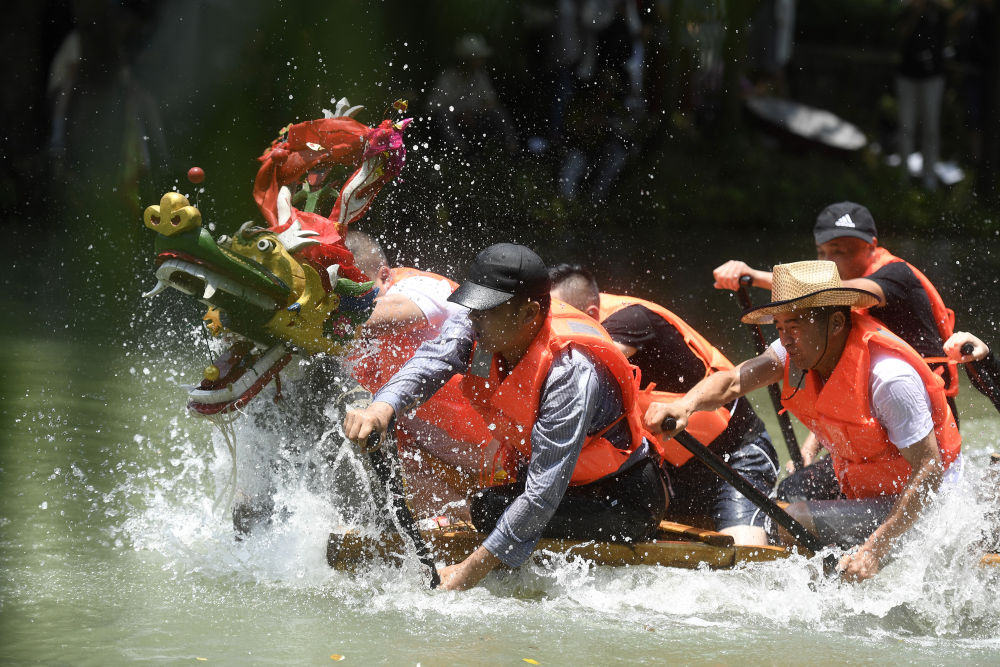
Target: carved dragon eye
[
  {"x": 224, "y": 240},
  {"x": 265, "y": 245}
]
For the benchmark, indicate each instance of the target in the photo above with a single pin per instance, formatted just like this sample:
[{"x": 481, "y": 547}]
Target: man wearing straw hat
[
  {"x": 867, "y": 394},
  {"x": 908, "y": 304}
]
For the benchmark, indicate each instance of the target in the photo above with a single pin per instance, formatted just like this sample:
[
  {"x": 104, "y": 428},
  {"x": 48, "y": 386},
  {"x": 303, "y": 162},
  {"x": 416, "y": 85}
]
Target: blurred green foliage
[{"x": 223, "y": 78}]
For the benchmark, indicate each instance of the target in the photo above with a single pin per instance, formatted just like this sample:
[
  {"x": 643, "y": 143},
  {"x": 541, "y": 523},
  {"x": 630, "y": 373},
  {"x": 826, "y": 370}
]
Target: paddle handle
[
  {"x": 743, "y": 293},
  {"x": 984, "y": 375},
  {"x": 388, "y": 475},
  {"x": 748, "y": 490},
  {"x": 760, "y": 344},
  {"x": 374, "y": 441}
]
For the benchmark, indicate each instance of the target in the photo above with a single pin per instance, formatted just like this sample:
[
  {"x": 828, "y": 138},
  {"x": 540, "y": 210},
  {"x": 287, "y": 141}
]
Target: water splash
[{"x": 933, "y": 589}]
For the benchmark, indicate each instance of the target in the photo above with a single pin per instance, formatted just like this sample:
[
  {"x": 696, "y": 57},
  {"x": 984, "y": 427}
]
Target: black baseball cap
[
  {"x": 499, "y": 273},
  {"x": 844, "y": 219}
]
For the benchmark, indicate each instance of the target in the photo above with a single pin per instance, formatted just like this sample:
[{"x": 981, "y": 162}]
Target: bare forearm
[
  {"x": 715, "y": 390},
  {"x": 396, "y": 312},
  {"x": 761, "y": 279}
]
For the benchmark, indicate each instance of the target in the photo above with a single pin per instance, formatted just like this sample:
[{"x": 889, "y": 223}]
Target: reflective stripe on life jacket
[
  {"x": 705, "y": 426},
  {"x": 866, "y": 462},
  {"x": 510, "y": 405},
  {"x": 944, "y": 317},
  {"x": 378, "y": 360}
]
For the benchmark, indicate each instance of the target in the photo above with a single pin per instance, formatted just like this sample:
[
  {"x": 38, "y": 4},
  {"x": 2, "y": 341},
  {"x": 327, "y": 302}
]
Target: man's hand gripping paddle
[
  {"x": 387, "y": 471},
  {"x": 760, "y": 344},
  {"x": 753, "y": 494}
]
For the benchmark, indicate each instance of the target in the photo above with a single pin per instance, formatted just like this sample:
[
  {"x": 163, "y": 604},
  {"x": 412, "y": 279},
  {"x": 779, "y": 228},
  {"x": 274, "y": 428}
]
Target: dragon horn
[
  {"x": 344, "y": 108},
  {"x": 284, "y": 204},
  {"x": 295, "y": 237},
  {"x": 245, "y": 229}
]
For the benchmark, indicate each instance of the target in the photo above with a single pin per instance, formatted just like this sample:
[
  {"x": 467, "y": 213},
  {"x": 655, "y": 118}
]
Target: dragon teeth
[{"x": 160, "y": 286}]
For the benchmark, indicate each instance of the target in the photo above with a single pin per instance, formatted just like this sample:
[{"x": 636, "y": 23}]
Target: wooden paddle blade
[{"x": 670, "y": 530}]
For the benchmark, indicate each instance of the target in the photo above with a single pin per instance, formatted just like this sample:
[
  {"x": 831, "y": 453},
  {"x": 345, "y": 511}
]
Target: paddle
[
  {"x": 753, "y": 494},
  {"x": 387, "y": 472},
  {"x": 984, "y": 375},
  {"x": 784, "y": 421}
]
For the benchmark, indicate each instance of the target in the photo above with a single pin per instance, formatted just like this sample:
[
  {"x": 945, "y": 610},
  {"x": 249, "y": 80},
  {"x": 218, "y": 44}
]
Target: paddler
[
  {"x": 674, "y": 356},
  {"x": 981, "y": 365},
  {"x": 908, "y": 305},
  {"x": 411, "y": 308},
  {"x": 869, "y": 396},
  {"x": 570, "y": 457}
]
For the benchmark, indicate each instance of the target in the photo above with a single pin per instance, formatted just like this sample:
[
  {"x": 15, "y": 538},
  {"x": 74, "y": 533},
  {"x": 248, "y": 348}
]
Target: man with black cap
[
  {"x": 908, "y": 304},
  {"x": 570, "y": 457},
  {"x": 869, "y": 396}
]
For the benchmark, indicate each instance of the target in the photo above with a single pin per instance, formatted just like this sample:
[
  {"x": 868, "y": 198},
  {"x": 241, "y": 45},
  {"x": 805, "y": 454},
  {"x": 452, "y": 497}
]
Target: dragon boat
[
  {"x": 288, "y": 287},
  {"x": 675, "y": 545}
]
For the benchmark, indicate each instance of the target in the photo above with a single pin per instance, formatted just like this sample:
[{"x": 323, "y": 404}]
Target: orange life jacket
[
  {"x": 866, "y": 462},
  {"x": 705, "y": 426},
  {"x": 944, "y": 317},
  {"x": 510, "y": 405},
  {"x": 374, "y": 365}
]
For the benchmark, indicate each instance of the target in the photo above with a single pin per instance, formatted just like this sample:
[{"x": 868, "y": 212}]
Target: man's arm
[
  {"x": 433, "y": 364},
  {"x": 925, "y": 459},
  {"x": 727, "y": 276},
  {"x": 953, "y": 347},
  {"x": 394, "y": 311},
  {"x": 717, "y": 390},
  {"x": 868, "y": 286}
]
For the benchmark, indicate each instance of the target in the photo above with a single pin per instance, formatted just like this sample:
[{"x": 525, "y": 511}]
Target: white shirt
[
  {"x": 430, "y": 295},
  {"x": 897, "y": 396}
]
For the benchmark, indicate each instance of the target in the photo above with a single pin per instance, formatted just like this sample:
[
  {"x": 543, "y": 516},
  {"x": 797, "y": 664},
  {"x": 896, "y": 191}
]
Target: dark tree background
[{"x": 107, "y": 104}]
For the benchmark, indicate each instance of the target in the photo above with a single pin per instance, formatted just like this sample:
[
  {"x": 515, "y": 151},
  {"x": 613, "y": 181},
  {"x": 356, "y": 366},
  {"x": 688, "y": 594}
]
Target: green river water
[{"x": 112, "y": 550}]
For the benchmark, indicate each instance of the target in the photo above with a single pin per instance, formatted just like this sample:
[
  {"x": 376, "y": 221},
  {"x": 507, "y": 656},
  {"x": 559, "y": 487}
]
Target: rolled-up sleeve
[
  {"x": 568, "y": 405},
  {"x": 432, "y": 365}
]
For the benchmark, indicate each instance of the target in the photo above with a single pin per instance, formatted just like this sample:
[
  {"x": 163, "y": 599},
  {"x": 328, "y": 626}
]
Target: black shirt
[
  {"x": 907, "y": 311},
  {"x": 664, "y": 358}
]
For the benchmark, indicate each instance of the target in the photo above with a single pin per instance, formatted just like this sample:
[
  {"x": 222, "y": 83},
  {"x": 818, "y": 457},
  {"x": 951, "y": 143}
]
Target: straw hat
[{"x": 812, "y": 284}]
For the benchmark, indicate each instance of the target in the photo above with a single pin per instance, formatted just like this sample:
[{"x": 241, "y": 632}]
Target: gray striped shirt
[{"x": 580, "y": 398}]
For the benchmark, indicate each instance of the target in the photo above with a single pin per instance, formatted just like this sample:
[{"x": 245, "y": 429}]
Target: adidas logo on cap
[{"x": 845, "y": 221}]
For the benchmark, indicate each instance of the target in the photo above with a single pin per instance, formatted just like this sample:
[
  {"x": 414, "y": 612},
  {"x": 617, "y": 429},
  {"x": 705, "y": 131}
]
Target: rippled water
[{"x": 113, "y": 550}]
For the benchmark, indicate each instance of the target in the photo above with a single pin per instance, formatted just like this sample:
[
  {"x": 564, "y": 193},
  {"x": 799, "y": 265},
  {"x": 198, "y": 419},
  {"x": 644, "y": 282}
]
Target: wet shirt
[
  {"x": 580, "y": 398},
  {"x": 664, "y": 358},
  {"x": 907, "y": 310},
  {"x": 660, "y": 350},
  {"x": 430, "y": 295}
]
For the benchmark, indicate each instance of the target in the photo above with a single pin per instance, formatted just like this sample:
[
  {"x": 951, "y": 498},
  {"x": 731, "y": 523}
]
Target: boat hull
[{"x": 676, "y": 545}]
